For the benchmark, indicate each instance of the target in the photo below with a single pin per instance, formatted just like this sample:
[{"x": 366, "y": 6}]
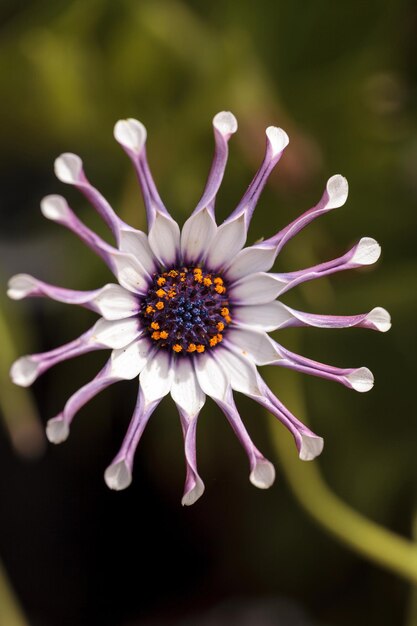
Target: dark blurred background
[{"x": 341, "y": 78}]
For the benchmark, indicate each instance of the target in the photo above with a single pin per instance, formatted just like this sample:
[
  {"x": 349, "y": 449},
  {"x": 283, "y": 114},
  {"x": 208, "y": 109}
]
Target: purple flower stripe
[
  {"x": 224, "y": 125},
  {"x": 232, "y": 414},
  {"x": 333, "y": 197},
  {"x": 131, "y": 135},
  {"x": 151, "y": 197},
  {"x": 26, "y": 286},
  {"x": 276, "y": 141},
  {"x": 26, "y": 369},
  {"x": 69, "y": 169},
  {"x": 274, "y": 315},
  {"x": 316, "y": 371},
  {"x": 352, "y": 259},
  {"x": 137, "y": 425},
  {"x": 301, "y": 318},
  {"x": 296, "y": 362},
  {"x": 119, "y": 473},
  {"x": 102, "y": 206},
  {"x": 102, "y": 300},
  {"x": 309, "y": 444},
  {"x": 123, "y": 264},
  {"x": 194, "y": 486},
  {"x": 68, "y": 219}
]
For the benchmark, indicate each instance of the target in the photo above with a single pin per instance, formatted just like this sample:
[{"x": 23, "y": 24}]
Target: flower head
[{"x": 191, "y": 309}]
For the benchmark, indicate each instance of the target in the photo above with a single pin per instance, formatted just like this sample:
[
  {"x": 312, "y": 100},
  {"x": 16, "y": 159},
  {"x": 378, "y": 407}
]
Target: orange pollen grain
[
  {"x": 173, "y": 273},
  {"x": 220, "y": 289},
  {"x": 156, "y": 335},
  {"x": 192, "y": 347},
  {"x": 213, "y": 341},
  {"x": 227, "y": 319},
  {"x": 218, "y": 281},
  {"x": 207, "y": 281},
  {"x": 198, "y": 278},
  {"x": 219, "y": 337},
  {"x": 161, "y": 281},
  {"x": 150, "y": 309},
  {"x": 160, "y": 293},
  {"x": 220, "y": 326},
  {"x": 159, "y": 306},
  {"x": 164, "y": 334},
  {"x": 155, "y": 325},
  {"x": 177, "y": 347},
  {"x": 200, "y": 348},
  {"x": 224, "y": 312}
]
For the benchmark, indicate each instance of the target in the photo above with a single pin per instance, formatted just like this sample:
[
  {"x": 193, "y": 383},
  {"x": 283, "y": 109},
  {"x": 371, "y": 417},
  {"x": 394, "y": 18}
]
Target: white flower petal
[
  {"x": 259, "y": 288},
  {"x": 185, "y": 389},
  {"x": 21, "y": 285},
  {"x": 24, "y": 371},
  {"x": 367, "y": 252},
  {"x": 164, "y": 239},
  {"x": 263, "y": 474},
  {"x": 250, "y": 260},
  {"x": 253, "y": 344},
  {"x": 362, "y": 379},
  {"x": 194, "y": 494},
  {"x": 116, "y": 333},
  {"x": 337, "y": 188},
  {"x": 136, "y": 243},
  {"x": 228, "y": 241},
  {"x": 278, "y": 139},
  {"x": 55, "y": 208},
  {"x": 114, "y": 302},
  {"x": 131, "y": 134},
  {"x": 127, "y": 363},
  {"x": 196, "y": 236},
  {"x": 225, "y": 122},
  {"x": 129, "y": 272},
  {"x": 118, "y": 476},
  {"x": 68, "y": 168},
  {"x": 310, "y": 447},
  {"x": 57, "y": 430},
  {"x": 267, "y": 317},
  {"x": 156, "y": 377},
  {"x": 242, "y": 372},
  {"x": 212, "y": 378},
  {"x": 380, "y": 318}
]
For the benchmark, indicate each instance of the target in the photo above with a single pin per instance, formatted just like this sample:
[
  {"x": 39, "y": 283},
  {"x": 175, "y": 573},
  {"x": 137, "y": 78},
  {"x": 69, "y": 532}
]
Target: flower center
[{"x": 186, "y": 310}]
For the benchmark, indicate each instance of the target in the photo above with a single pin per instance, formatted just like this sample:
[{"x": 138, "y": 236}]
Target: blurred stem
[
  {"x": 10, "y": 612},
  {"x": 18, "y": 409},
  {"x": 375, "y": 543},
  {"x": 412, "y": 611}
]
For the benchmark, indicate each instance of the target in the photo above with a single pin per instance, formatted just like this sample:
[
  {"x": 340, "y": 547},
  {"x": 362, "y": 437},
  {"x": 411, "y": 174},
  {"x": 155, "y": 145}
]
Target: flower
[{"x": 192, "y": 308}]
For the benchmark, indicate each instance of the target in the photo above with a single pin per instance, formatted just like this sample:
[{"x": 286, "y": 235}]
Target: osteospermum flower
[{"x": 191, "y": 309}]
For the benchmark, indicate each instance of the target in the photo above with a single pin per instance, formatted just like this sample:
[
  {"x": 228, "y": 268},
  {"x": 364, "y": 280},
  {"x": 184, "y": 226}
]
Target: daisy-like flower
[{"x": 191, "y": 309}]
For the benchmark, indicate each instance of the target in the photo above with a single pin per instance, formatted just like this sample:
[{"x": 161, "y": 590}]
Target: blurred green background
[{"x": 341, "y": 79}]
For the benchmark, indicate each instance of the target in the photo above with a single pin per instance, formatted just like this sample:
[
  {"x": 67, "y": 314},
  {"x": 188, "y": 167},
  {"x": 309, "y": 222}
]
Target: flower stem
[
  {"x": 374, "y": 542},
  {"x": 10, "y": 612},
  {"x": 16, "y": 404},
  {"x": 412, "y": 609}
]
